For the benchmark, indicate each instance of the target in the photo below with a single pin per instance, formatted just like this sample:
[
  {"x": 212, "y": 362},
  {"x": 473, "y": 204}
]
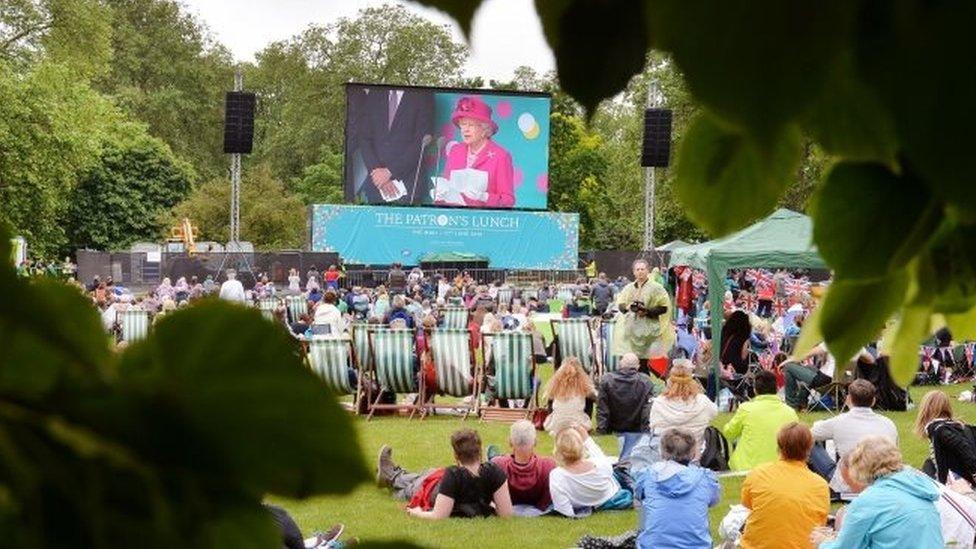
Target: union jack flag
[
  {"x": 928, "y": 353},
  {"x": 796, "y": 286},
  {"x": 968, "y": 349},
  {"x": 766, "y": 360},
  {"x": 698, "y": 279},
  {"x": 759, "y": 277},
  {"x": 780, "y": 306},
  {"x": 747, "y": 301}
]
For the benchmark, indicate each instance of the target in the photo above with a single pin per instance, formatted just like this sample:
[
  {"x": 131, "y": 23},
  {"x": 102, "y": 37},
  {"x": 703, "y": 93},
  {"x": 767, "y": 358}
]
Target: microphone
[{"x": 423, "y": 145}]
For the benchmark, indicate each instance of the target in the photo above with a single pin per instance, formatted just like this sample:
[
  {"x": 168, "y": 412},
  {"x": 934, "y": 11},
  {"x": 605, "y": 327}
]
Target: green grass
[{"x": 372, "y": 514}]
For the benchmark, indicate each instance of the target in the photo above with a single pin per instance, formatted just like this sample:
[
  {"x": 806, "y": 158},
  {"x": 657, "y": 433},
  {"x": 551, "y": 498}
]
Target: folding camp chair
[
  {"x": 574, "y": 338},
  {"x": 450, "y": 351},
  {"x": 268, "y": 305},
  {"x": 963, "y": 365},
  {"x": 297, "y": 306},
  {"x": 505, "y": 295},
  {"x": 393, "y": 356},
  {"x": 455, "y": 318},
  {"x": 134, "y": 324},
  {"x": 609, "y": 360},
  {"x": 331, "y": 358},
  {"x": 511, "y": 358}
]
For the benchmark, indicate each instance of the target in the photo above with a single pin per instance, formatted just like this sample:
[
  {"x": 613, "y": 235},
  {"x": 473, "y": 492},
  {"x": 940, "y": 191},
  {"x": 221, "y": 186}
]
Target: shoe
[
  {"x": 385, "y": 468},
  {"x": 325, "y": 539}
]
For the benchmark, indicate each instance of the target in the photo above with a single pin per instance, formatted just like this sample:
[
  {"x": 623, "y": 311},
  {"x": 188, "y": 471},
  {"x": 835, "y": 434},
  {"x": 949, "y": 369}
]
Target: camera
[{"x": 637, "y": 307}]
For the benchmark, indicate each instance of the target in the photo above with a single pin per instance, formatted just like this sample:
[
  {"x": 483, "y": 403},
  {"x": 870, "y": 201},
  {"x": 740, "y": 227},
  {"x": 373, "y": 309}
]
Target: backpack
[{"x": 715, "y": 455}]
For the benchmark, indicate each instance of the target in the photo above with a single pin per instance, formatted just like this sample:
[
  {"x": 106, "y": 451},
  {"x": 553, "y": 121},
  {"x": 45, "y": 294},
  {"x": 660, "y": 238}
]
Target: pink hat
[{"x": 474, "y": 108}]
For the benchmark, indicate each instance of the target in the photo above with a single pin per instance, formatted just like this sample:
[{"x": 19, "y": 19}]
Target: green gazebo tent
[{"x": 782, "y": 240}]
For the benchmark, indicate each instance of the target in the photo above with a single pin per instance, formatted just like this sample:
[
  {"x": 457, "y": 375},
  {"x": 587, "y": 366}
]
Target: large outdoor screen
[{"x": 446, "y": 147}]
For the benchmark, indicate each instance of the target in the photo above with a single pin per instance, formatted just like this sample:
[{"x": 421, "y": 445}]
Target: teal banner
[{"x": 375, "y": 235}]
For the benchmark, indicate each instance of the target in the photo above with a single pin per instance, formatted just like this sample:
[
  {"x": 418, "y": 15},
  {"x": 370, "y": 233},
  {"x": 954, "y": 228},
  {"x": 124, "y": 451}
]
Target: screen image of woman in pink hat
[{"x": 478, "y": 171}]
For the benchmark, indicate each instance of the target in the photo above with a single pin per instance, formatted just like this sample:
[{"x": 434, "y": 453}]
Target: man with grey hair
[
  {"x": 675, "y": 495},
  {"x": 624, "y": 400},
  {"x": 232, "y": 289},
  {"x": 528, "y": 473},
  {"x": 646, "y": 318}
]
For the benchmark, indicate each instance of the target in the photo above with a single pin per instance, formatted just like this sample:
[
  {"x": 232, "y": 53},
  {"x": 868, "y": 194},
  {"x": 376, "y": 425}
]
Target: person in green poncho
[{"x": 646, "y": 319}]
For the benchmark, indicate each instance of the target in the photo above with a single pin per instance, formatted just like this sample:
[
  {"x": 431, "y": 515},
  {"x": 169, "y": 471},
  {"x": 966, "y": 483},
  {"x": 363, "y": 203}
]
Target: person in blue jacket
[
  {"x": 895, "y": 510},
  {"x": 675, "y": 496}
]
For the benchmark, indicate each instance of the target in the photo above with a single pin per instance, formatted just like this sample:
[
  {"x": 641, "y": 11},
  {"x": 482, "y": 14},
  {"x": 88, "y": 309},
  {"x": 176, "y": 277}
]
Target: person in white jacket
[
  {"x": 682, "y": 404},
  {"x": 584, "y": 480},
  {"x": 232, "y": 290},
  {"x": 328, "y": 314}
]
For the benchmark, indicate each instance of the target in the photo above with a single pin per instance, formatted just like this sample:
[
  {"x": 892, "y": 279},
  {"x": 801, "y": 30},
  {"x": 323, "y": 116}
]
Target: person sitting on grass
[
  {"x": 675, "y": 496},
  {"x": 950, "y": 444},
  {"x": 471, "y": 488},
  {"x": 570, "y": 393},
  {"x": 756, "y": 423},
  {"x": 786, "y": 500},
  {"x": 527, "y": 472},
  {"x": 584, "y": 480},
  {"x": 896, "y": 505},
  {"x": 682, "y": 404}
]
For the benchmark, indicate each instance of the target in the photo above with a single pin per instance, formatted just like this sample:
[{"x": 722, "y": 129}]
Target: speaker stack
[
  {"x": 239, "y": 122},
  {"x": 656, "y": 152}
]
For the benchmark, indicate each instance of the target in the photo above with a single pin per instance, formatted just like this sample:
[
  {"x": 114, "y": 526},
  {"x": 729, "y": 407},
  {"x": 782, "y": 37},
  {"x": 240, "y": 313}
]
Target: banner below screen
[{"x": 510, "y": 239}]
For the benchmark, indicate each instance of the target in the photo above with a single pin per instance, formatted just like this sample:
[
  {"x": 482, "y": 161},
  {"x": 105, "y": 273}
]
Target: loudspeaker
[
  {"x": 239, "y": 122},
  {"x": 657, "y": 138}
]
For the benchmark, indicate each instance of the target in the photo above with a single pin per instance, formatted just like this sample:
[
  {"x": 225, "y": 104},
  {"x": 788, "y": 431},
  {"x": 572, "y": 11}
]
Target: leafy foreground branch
[
  {"x": 894, "y": 217},
  {"x": 173, "y": 442}
]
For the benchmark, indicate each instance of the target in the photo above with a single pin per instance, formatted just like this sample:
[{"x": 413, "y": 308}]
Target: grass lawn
[{"x": 372, "y": 514}]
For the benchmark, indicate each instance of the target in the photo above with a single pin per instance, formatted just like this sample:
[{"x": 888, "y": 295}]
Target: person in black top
[
  {"x": 735, "y": 343},
  {"x": 467, "y": 489}
]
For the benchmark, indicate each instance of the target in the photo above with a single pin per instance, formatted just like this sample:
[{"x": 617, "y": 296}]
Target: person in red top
[
  {"x": 765, "y": 292},
  {"x": 331, "y": 278},
  {"x": 528, "y": 472}
]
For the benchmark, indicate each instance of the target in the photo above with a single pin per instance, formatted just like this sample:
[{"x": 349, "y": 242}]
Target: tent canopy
[
  {"x": 782, "y": 240},
  {"x": 671, "y": 246}
]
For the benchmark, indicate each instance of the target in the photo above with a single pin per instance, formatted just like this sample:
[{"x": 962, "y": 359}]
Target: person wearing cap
[{"x": 480, "y": 157}]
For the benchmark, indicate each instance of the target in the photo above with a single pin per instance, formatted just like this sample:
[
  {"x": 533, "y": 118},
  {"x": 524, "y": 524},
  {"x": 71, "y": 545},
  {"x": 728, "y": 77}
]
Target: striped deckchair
[
  {"x": 564, "y": 294},
  {"x": 528, "y": 293},
  {"x": 392, "y": 355},
  {"x": 134, "y": 324},
  {"x": 606, "y": 346},
  {"x": 331, "y": 358},
  {"x": 505, "y": 295},
  {"x": 450, "y": 351},
  {"x": 511, "y": 357},
  {"x": 268, "y": 306},
  {"x": 360, "y": 339},
  {"x": 297, "y": 306},
  {"x": 455, "y": 318},
  {"x": 573, "y": 338}
]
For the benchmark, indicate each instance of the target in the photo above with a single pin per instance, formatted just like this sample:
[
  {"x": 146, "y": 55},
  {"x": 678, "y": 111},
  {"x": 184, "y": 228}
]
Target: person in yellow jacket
[
  {"x": 755, "y": 424},
  {"x": 646, "y": 319}
]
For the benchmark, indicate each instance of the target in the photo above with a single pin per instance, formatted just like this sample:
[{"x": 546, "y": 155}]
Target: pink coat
[{"x": 501, "y": 173}]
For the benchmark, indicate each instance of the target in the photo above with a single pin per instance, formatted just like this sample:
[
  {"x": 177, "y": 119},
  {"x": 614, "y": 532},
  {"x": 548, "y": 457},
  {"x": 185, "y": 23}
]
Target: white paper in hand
[
  {"x": 445, "y": 192},
  {"x": 470, "y": 182},
  {"x": 399, "y": 190}
]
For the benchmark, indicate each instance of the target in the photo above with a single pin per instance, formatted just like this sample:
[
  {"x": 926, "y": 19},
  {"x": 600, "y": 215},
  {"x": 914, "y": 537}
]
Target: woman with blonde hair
[
  {"x": 584, "y": 479},
  {"x": 570, "y": 393},
  {"x": 896, "y": 505},
  {"x": 683, "y": 403},
  {"x": 951, "y": 446}
]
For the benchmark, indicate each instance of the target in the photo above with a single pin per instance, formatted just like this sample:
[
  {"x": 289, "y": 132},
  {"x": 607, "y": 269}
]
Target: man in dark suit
[{"x": 390, "y": 129}]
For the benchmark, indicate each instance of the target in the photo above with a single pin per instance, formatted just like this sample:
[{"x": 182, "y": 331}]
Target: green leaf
[
  {"x": 461, "y": 11},
  {"x": 242, "y": 527},
  {"x": 599, "y": 45},
  {"x": 948, "y": 269},
  {"x": 962, "y": 325},
  {"x": 726, "y": 180},
  {"x": 849, "y": 120},
  {"x": 249, "y": 411},
  {"x": 868, "y": 221},
  {"x": 854, "y": 311},
  {"x": 915, "y": 55},
  {"x": 911, "y": 329},
  {"x": 756, "y": 63}
]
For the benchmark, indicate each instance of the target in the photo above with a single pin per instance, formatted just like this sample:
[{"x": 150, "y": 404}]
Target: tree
[
  {"x": 169, "y": 73},
  {"x": 52, "y": 30},
  {"x": 52, "y": 126},
  {"x": 321, "y": 183},
  {"x": 271, "y": 216},
  {"x": 120, "y": 199},
  {"x": 299, "y": 82}
]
